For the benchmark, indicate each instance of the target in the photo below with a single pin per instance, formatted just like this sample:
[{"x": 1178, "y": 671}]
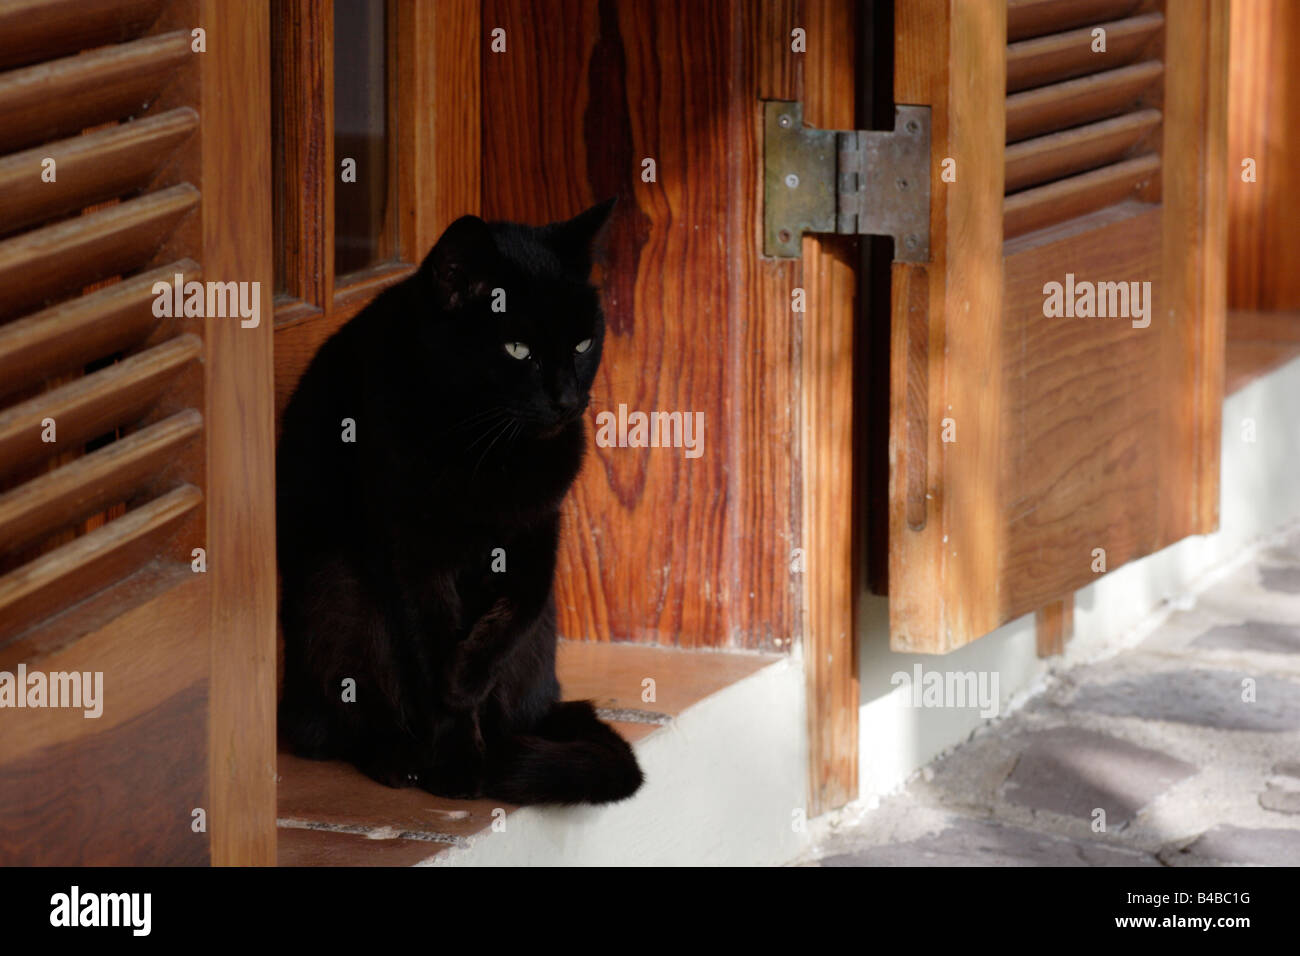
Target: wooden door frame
[{"x": 236, "y": 152}]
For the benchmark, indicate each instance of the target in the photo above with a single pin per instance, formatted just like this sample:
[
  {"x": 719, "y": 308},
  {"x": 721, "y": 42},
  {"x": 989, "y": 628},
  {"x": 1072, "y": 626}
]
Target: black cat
[{"x": 422, "y": 464}]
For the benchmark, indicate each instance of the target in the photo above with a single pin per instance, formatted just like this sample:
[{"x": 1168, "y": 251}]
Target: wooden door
[
  {"x": 136, "y": 522},
  {"x": 1032, "y": 453}
]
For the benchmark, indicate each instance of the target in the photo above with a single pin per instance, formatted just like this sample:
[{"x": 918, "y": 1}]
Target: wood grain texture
[
  {"x": 72, "y": 334},
  {"x": 34, "y": 30},
  {"x": 239, "y": 410},
  {"x": 120, "y": 788},
  {"x": 1077, "y": 195},
  {"x": 1065, "y": 55},
  {"x": 944, "y": 576},
  {"x": 1257, "y": 343},
  {"x": 81, "y": 488},
  {"x": 1083, "y": 100},
  {"x": 826, "y": 438},
  {"x": 1034, "y": 161},
  {"x": 91, "y": 405},
  {"x": 658, "y": 547},
  {"x": 91, "y": 169},
  {"x": 1054, "y": 626},
  {"x": 62, "y": 97},
  {"x": 1263, "y": 243},
  {"x": 1082, "y": 466},
  {"x": 1195, "y": 237},
  {"x": 56, "y": 261},
  {"x": 1030, "y": 18}
]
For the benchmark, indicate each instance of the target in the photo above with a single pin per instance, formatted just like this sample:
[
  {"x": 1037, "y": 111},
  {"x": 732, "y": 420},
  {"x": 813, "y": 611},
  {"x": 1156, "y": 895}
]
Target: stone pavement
[{"x": 1183, "y": 750}]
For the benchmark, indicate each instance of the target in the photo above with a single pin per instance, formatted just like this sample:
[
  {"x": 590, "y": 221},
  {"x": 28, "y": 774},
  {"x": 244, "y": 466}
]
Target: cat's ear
[
  {"x": 460, "y": 265},
  {"x": 576, "y": 240}
]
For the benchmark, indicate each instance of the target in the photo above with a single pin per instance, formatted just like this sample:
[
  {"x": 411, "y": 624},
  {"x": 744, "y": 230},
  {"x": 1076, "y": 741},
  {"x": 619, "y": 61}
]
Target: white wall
[{"x": 1260, "y": 490}]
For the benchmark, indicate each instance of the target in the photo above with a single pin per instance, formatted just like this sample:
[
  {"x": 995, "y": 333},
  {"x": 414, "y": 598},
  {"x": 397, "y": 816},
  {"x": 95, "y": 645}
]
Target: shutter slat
[
  {"x": 1061, "y": 105},
  {"x": 1031, "y": 18},
  {"x": 89, "y": 169},
  {"x": 58, "y": 579},
  {"x": 1034, "y": 161},
  {"x": 1067, "y": 198},
  {"x": 62, "y": 97},
  {"x": 92, "y": 405},
  {"x": 35, "y": 30},
  {"x": 90, "y": 483},
  {"x": 79, "y": 331},
  {"x": 58, "y": 260},
  {"x": 1062, "y": 56}
]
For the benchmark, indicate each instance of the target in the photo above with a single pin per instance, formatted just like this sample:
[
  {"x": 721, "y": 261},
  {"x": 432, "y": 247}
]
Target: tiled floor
[
  {"x": 332, "y": 815},
  {"x": 1182, "y": 750}
]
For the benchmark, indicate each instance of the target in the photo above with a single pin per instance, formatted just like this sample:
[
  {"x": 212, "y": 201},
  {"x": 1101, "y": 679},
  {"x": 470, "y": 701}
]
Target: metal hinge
[{"x": 853, "y": 182}]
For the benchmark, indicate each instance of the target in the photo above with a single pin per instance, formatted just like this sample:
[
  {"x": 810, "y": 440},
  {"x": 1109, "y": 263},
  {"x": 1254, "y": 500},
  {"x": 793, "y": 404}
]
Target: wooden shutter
[
  {"x": 1075, "y": 438},
  {"x": 112, "y": 130}
]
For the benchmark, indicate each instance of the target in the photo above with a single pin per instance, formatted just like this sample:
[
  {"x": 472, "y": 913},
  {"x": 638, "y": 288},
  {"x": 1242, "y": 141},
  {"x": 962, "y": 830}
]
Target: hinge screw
[
  {"x": 792, "y": 180},
  {"x": 911, "y": 242},
  {"x": 784, "y": 236},
  {"x": 902, "y": 184},
  {"x": 784, "y": 121},
  {"x": 912, "y": 126}
]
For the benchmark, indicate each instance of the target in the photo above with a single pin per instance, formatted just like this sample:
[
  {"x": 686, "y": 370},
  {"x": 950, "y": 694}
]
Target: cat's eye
[
  {"x": 582, "y": 346},
  {"x": 518, "y": 350}
]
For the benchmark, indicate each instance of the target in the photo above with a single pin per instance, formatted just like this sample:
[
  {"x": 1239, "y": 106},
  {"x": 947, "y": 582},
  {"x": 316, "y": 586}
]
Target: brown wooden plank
[
  {"x": 240, "y": 410},
  {"x": 84, "y": 486},
  {"x": 58, "y": 260},
  {"x": 1084, "y": 408},
  {"x": 90, "y": 406},
  {"x": 1264, "y": 86},
  {"x": 1063, "y": 56},
  {"x": 60, "y": 98},
  {"x": 1074, "y": 196},
  {"x": 34, "y": 30},
  {"x": 1257, "y": 343},
  {"x": 826, "y": 440},
  {"x": 322, "y": 847},
  {"x": 1034, "y": 161},
  {"x": 1194, "y": 270},
  {"x": 1028, "y": 18},
  {"x": 89, "y": 169},
  {"x": 60, "y": 578},
  {"x": 303, "y": 143},
  {"x": 1085, "y": 100},
  {"x": 944, "y": 575},
  {"x": 73, "y": 333},
  {"x": 1054, "y": 626},
  {"x": 121, "y": 797}
]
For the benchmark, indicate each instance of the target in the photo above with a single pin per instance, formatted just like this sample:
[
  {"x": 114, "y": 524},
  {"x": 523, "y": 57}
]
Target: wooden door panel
[
  {"x": 128, "y": 439},
  {"x": 1074, "y": 445}
]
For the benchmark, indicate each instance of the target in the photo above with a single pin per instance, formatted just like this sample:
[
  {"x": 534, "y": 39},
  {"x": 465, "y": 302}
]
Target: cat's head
[{"x": 515, "y": 318}]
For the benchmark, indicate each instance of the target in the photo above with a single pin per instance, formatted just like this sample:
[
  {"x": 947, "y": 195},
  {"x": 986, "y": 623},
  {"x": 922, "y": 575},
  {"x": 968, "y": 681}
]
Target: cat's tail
[{"x": 571, "y": 757}]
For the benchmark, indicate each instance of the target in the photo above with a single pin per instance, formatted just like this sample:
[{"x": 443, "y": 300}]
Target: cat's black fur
[{"x": 386, "y": 544}]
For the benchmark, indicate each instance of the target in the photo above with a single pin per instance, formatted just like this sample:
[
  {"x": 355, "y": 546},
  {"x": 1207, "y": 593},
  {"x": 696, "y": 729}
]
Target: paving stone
[
  {"x": 1283, "y": 580},
  {"x": 1251, "y": 636},
  {"x": 967, "y": 842},
  {"x": 1207, "y": 698},
  {"x": 1244, "y": 845},
  {"x": 1283, "y": 793},
  {"x": 1280, "y": 800},
  {"x": 1072, "y": 771}
]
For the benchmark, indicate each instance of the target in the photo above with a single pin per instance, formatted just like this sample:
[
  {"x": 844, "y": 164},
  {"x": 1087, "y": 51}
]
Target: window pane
[{"x": 363, "y": 228}]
